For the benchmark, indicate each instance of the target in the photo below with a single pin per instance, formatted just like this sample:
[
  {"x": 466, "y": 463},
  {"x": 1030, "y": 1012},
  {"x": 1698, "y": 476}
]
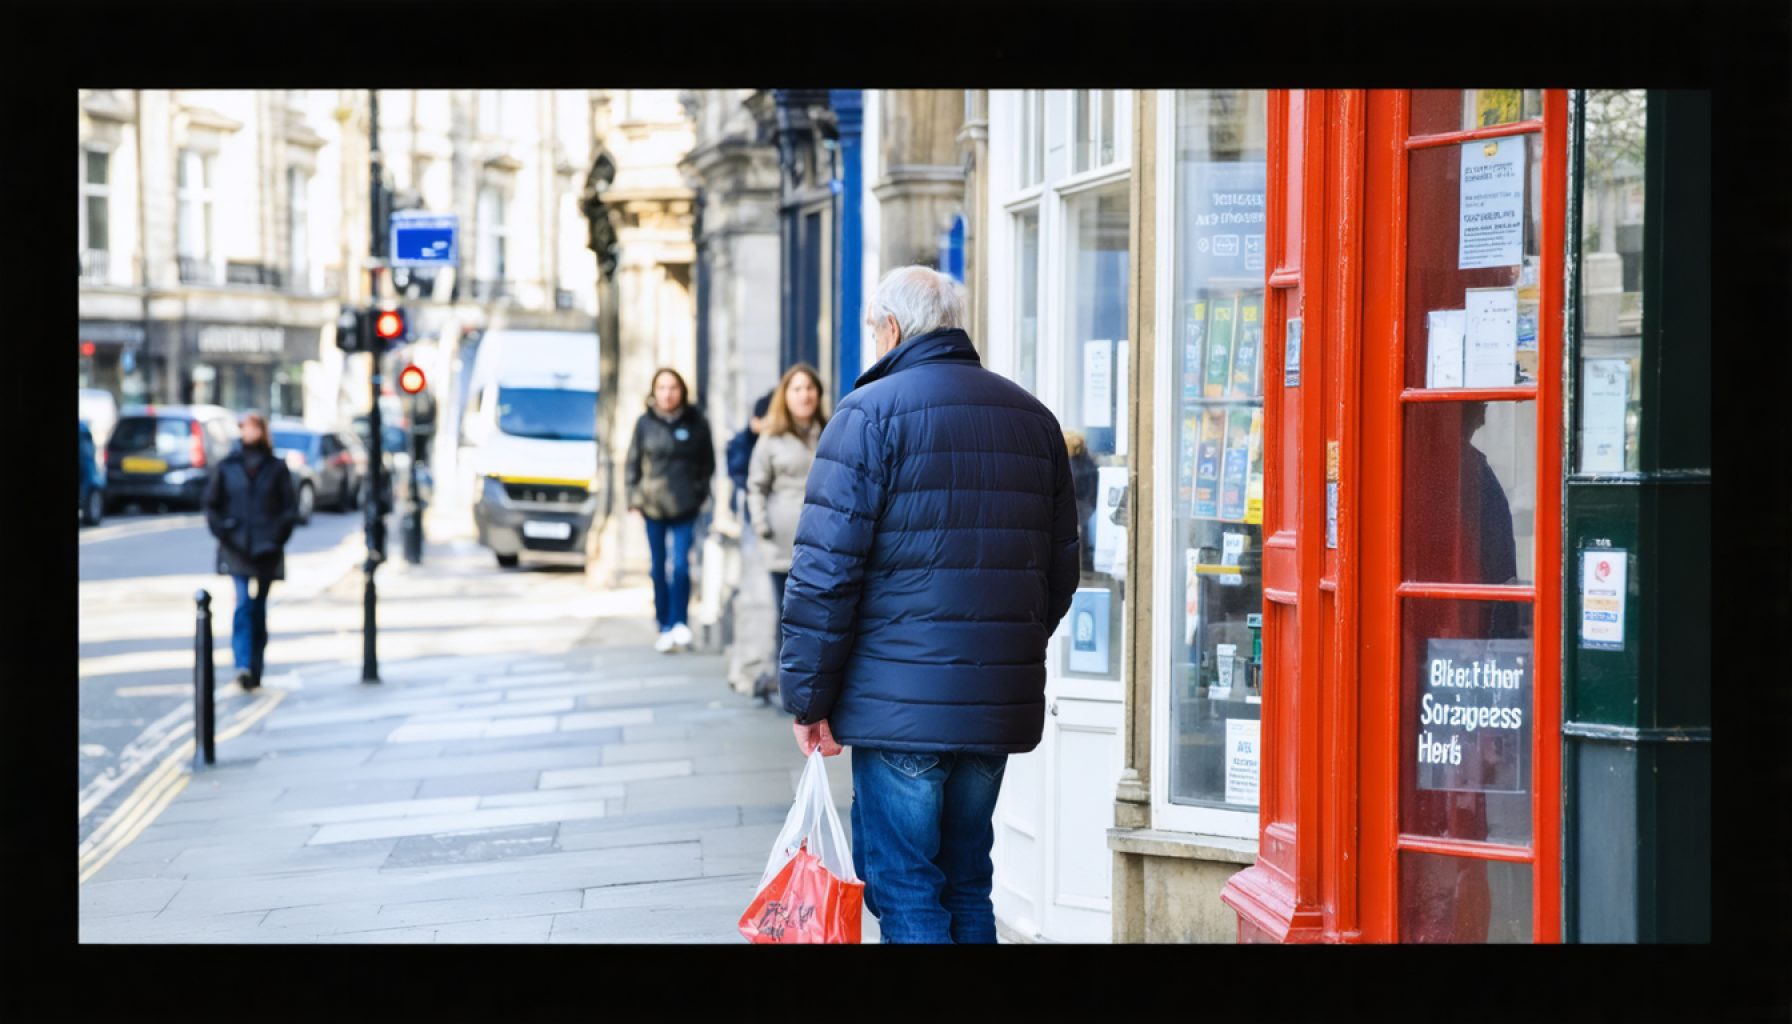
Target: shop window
[
  {"x": 193, "y": 224},
  {"x": 1467, "y": 681},
  {"x": 1435, "y": 111},
  {"x": 1214, "y": 574},
  {"x": 1026, "y": 306},
  {"x": 1094, "y": 414},
  {"x": 1472, "y": 290},
  {"x": 298, "y": 213},
  {"x": 96, "y": 208},
  {"x": 1094, "y": 130},
  {"x": 1032, "y": 138},
  {"x": 1459, "y": 899},
  {"x": 1470, "y": 492},
  {"x": 1611, "y": 282}
]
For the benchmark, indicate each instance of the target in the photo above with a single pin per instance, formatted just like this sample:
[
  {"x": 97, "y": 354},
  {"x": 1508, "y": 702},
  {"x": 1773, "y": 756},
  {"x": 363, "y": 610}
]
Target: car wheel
[
  {"x": 507, "y": 561},
  {"x": 307, "y": 503},
  {"x": 95, "y": 510},
  {"x": 111, "y": 506}
]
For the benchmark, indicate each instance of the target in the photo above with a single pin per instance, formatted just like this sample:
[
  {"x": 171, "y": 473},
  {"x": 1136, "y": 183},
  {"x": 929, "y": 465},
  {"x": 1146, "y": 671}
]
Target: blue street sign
[{"x": 421, "y": 239}]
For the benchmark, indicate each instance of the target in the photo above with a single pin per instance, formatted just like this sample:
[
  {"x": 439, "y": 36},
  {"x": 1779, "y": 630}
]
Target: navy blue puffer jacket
[{"x": 936, "y": 553}]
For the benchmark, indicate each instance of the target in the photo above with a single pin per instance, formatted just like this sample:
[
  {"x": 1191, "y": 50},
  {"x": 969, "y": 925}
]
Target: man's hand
[{"x": 809, "y": 736}]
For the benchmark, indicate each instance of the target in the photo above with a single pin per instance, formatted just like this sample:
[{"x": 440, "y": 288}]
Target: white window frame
[
  {"x": 1165, "y": 815},
  {"x": 203, "y": 197},
  {"x": 298, "y": 228},
  {"x": 90, "y": 191},
  {"x": 494, "y": 237}
]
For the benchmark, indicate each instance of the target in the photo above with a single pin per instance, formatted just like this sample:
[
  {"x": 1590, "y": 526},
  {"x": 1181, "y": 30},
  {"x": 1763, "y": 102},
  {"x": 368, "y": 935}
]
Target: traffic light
[
  {"x": 348, "y": 330},
  {"x": 410, "y": 379},
  {"x": 389, "y": 329}
]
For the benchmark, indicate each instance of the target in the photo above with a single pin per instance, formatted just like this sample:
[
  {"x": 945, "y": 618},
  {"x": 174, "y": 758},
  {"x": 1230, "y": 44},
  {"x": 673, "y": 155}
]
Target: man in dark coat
[
  {"x": 936, "y": 553},
  {"x": 251, "y": 507}
]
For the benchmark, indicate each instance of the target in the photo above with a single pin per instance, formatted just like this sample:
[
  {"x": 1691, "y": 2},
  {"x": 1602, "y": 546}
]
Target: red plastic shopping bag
[{"x": 809, "y": 892}]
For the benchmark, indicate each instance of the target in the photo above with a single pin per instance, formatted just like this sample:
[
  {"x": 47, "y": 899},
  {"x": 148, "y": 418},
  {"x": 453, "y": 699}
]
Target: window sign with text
[{"x": 1474, "y": 698}]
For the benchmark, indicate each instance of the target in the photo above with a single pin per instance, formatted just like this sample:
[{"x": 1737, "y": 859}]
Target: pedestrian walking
[
  {"x": 251, "y": 508},
  {"x": 936, "y": 553},
  {"x": 776, "y": 477},
  {"x": 739, "y": 451},
  {"x": 670, "y": 461}
]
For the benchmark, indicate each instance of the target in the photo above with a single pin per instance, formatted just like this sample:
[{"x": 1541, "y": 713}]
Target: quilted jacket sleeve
[
  {"x": 1066, "y": 547},
  {"x": 631, "y": 469},
  {"x": 834, "y": 536}
]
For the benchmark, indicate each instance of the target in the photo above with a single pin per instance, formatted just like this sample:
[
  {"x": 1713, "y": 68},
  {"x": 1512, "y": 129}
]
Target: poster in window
[
  {"x": 1089, "y": 609},
  {"x": 1474, "y": 697},
  {"x": 1110, "y": 528},
  {"x": 1253, "y": 491},
  {"x": 1496, "y": 106},
  {"x": 1247, "y": 351},
  {"x": 1191, "y": 597},
  {"x": 1190, "y": 444},
  {"x": 1443, "y": 348},
  {"x": 1489, "y": 337},
  {"x": 1122, "y": 413},
  {"x": 1226, "y": 218},
  {"x": 1491, "y": 204},
  {"x": 1207, "y": 464},
  {"x": 1605, "y": 396},
  {"x": 1220, "y": 329},
  {"x": 1243, "y": 759},
  {"x": 1235, "y": 465},
  {"x": 1194, "y": 332},
  {"x": 1098, "y": 383},
  {"x": 1525, "y": 348}
]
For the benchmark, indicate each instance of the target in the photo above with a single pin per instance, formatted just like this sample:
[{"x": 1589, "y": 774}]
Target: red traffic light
[
  {"x": 410, "y": 380},
  {"x": 389, "y": 325}
]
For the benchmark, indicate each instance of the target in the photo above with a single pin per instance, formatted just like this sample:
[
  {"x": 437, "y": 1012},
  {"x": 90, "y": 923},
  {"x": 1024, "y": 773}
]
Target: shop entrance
[
  {"x": 1460, "y": 521},
  {"x": 1412, "y": 567}
]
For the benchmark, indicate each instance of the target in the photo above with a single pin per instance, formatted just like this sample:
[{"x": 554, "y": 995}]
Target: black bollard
[{"x": 204, "y": 683}]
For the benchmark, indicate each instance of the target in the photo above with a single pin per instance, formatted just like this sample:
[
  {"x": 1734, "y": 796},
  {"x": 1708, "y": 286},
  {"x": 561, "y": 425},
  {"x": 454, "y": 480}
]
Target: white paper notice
[
  {"x": 1602, "y": 572},
  {"x": 1098, "y": 383},
  {"x": 1232, "y": 546},
  {"x": 1443, "y": 347},
  {"x": 1120, "y": 410},
  {"x": 1110, "y": 537},
  {"x": 1491, "y": 233},
  {"x": 1242, "y": 760},
  {"x": 1605, "y": 385},
  {"x": 1490, "y": 337}
]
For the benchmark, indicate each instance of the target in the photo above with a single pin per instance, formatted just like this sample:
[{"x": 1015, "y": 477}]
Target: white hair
[{"x": 920, "y": 298}]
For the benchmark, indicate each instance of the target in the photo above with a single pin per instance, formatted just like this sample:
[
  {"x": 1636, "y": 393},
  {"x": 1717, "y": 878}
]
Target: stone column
[{"x": 922, "y": 179}]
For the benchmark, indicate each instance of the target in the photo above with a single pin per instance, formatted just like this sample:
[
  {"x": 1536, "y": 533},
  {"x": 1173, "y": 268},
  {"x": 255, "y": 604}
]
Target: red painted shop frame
[{"x": 1329, "y": 828}]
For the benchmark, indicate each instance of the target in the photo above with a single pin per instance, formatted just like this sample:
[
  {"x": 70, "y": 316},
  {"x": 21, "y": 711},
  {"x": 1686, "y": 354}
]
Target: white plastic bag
[
  {"x": 809, "y": 892},
  {"x": 814, "y": 818}
]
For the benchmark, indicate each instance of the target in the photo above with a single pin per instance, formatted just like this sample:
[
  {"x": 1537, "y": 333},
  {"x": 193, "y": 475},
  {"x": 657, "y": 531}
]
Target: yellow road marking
[
  {"x": 158, "y": 790},
  {"x": 154, "y": 810}
]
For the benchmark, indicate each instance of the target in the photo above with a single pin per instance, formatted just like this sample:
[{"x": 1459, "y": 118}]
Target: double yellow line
[{"x": 157, "y": 790}]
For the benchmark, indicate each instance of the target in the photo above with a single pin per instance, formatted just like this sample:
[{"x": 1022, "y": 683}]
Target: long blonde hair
[{"x": 777, "y": 415}]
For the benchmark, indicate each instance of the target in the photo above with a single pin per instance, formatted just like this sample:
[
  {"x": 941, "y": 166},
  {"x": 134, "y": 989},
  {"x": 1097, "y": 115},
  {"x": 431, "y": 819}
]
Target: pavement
[{"x": 526, "y": 770}]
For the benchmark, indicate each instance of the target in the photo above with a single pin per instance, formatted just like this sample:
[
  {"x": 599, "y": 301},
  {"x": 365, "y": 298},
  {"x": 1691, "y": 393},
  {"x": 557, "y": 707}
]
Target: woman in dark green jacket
[{"x": 670, "y": 461}]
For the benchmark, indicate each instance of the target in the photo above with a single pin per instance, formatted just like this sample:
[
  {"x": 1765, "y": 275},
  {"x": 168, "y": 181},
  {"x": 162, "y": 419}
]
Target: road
[{"x": 138, "y": 576}]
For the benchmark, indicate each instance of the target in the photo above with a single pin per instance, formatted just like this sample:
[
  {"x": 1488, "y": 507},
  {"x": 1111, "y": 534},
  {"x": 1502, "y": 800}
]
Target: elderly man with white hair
[{"x": 936, "y": 552}]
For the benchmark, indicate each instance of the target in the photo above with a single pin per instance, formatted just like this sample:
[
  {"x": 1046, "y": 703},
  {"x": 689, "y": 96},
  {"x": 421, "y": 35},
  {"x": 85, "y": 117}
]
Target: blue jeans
[
  {"x": 923, "y": 825},
  {"x": 671, "y": 599},
  {"x": 249, "y": 626}
]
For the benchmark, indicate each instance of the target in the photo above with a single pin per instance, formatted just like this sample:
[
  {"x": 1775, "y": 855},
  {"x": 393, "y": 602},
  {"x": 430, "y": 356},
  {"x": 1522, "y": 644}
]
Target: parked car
[
  {"x": 99, "y": 410},
  {"x": 328, "y": 466},
  {"x": 93, "y": 480},
  {"x": 163, "y": 455}
]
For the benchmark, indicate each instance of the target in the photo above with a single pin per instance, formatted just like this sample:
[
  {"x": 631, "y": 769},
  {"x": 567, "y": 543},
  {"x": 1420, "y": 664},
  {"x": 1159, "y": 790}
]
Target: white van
[{"x": 528, "y": 439}]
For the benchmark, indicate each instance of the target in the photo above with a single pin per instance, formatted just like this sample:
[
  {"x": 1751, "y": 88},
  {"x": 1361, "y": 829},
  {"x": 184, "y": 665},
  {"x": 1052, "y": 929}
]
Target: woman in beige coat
[{"x": 776, "y": 478}]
